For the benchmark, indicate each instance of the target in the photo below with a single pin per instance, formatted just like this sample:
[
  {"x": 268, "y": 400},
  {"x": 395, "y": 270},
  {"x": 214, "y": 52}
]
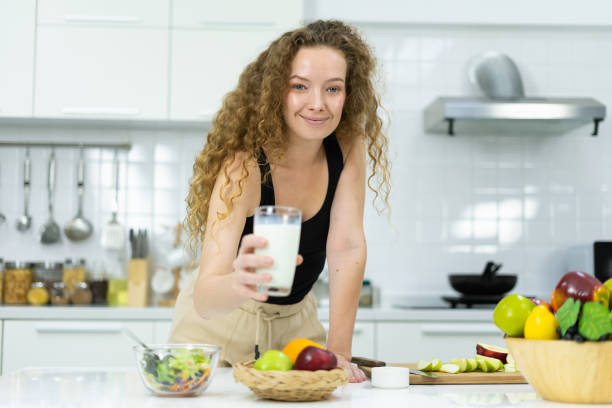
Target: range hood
[{"x": 445, "y": 111}]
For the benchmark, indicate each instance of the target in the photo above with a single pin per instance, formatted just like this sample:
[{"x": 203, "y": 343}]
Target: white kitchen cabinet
[
  {"x": 228, "y": 13},
  {"x": 206, "y": 65},
  {"x": 101, "y": 72},
  {"x": 17, "y": 28},
  {"x": 69, "y": 343},
  {"x": 408, "y": 342},
  {"x": 141, "y": 13},
  {"x": 363, "y": 339}
]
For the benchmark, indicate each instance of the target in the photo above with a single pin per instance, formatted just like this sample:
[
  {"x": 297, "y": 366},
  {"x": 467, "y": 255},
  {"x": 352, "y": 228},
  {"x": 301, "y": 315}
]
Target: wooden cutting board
[{"x": 476, "y": 377}]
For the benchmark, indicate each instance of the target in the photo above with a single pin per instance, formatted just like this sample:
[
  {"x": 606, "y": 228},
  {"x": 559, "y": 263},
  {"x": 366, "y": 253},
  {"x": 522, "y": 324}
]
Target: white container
[
  {"x": 390, "y": 377},
  {"x": 281, "y": 226}
]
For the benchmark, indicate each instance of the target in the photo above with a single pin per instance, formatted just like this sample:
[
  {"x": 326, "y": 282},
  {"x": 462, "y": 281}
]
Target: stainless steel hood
[{"x": 445, "y": 111}]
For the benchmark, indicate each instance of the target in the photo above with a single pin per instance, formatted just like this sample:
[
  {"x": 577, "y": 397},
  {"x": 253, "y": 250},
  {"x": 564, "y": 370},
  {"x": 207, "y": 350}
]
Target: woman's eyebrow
[{"x": 308, "y": 80}]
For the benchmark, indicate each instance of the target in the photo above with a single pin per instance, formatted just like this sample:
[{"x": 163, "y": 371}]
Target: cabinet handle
[
  {"x": 445, "y": 329},
  {"x": 101, "y": 111},
  {"x": 237, "y": 23},
  {"x": 65, "y": 328},
  {"x": 103, "y": 19}
]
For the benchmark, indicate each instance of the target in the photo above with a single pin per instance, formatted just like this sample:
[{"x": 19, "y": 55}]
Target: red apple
[
  {"x": 539, "y": 301},
  {"x": 488, "y": 350},
  {"x": 579, "y": 286},
  {"x": 314, "y": 358}
]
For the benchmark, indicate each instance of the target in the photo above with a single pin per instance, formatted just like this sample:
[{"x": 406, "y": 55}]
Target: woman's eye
[
  {"x": 333, "y": 89},
  {"x": 299, "y": 87}
]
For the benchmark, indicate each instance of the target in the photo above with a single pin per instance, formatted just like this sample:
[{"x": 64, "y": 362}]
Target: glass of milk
[{"x": 281, "y": 226}]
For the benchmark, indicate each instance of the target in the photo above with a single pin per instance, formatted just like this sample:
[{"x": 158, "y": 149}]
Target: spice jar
[
  {"x": 18, "y": 278},
  {"x": 98, "y": 284},
  {"x": 59, "y": 296},
  {"x": 82, "y": 294},
  {"x": 47, "y": 273},
  {"x": 366, "y": 298},
  {"x": 74, "y": 272},
  {"x": 1, "y": 277},
  {"x": 38, "y": 294}
]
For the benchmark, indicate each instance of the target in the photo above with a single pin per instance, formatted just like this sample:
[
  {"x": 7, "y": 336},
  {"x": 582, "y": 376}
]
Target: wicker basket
[{"x": 293, "y": 385}]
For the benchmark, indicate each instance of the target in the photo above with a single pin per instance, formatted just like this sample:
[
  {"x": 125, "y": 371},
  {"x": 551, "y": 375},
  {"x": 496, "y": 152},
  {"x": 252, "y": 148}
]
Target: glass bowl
[{"x": 177, "y": 369}]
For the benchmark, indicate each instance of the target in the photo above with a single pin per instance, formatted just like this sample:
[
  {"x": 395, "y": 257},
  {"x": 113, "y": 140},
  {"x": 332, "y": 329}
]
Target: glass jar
[
  {"x": 74, "y": 272},
  {"x": 98, "y": 284},
  {"x": 1, "y": 277},
  {"x": 38, "y": 294},
  {"x": 82, "y": 294},
  {"x": 48, "y": 273},
  {"x": 366, "y": 298},
  {"x": 59, "y": 296},
  {"x": 17, "y": 282}
]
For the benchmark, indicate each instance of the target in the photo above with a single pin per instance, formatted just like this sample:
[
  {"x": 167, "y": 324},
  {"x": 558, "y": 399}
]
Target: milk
[{"x": 283, "y": 244}]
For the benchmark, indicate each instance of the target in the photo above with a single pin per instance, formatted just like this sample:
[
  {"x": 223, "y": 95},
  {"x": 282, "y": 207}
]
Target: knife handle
[{"x": 366, "y": 362}]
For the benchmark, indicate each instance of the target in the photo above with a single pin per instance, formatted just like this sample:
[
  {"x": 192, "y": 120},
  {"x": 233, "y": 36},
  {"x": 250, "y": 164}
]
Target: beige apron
[{"x": 270, "y": 326}]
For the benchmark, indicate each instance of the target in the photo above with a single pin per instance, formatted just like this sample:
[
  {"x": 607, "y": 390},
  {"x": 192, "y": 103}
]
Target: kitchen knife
[{"x": 366, "y": 362}]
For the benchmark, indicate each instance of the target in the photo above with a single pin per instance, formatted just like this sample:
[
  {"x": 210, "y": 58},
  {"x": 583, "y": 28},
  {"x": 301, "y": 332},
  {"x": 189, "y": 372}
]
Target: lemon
[{"x": 541, "y": 324}]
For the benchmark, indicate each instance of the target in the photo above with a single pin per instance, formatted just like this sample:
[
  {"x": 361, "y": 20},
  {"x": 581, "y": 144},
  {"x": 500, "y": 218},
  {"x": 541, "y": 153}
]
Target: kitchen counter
[
  {"x": 91, "y": 387},
  {"x": 380, "y": 313}
]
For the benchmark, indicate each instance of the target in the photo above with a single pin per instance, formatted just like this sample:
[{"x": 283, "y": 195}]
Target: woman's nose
[{"x": 316, "y": 100}]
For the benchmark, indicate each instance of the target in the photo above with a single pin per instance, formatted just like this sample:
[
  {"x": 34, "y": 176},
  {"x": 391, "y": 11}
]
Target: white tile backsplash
[{"x": 522, "y": 198}]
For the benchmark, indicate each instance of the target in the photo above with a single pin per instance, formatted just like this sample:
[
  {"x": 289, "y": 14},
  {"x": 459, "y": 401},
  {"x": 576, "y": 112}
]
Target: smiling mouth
[{"x": 314, "y": 121}]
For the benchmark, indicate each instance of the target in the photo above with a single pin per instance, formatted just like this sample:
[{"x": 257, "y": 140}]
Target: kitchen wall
[
  {"x": 531, "y": 200},
  {"x": 521, "y": 198}
]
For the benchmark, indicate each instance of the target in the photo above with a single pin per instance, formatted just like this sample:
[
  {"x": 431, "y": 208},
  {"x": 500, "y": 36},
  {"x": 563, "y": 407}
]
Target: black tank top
[{"x": 313, "y": 237}]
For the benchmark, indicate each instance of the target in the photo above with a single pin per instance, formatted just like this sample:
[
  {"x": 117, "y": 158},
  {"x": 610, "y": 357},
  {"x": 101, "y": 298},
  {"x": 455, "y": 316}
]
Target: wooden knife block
[{"x": 138, "y": 282}]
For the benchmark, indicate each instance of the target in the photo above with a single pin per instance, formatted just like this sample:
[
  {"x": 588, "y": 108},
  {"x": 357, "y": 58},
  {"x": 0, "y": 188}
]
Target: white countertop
[
  {"x": 90, "y": 387},
  {"x": 380, "y": 313}
]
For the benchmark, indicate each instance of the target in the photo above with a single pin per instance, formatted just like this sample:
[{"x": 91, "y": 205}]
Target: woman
[{"x": 295, "y": 132}]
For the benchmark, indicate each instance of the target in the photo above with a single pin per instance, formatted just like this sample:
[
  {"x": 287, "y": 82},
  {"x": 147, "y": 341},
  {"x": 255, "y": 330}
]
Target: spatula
[{"x": 112, "y": 233}]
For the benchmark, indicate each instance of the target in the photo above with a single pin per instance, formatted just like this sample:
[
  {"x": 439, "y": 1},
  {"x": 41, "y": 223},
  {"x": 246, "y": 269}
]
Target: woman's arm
[
  {"x": 226, "y": 280},
  {"x": 346, "y": 255}
]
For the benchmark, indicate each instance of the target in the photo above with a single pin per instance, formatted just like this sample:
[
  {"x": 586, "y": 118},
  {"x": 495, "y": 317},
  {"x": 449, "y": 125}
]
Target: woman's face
[{"x": 317, "y": 90}]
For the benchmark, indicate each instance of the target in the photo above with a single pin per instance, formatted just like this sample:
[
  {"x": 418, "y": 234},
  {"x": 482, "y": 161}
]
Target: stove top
[{"x": 470, "y": 300}]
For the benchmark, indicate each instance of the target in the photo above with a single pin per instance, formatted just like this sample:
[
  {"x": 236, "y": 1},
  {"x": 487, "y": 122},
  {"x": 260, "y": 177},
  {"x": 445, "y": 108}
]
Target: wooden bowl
[{"x": 564, "y": 370}]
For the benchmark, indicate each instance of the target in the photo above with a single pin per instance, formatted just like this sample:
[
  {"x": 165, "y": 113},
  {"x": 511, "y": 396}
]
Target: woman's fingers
[
  {"x": 252, "y": 261},
  {"x": 250, "y": 242},
  {"x": 300, "y": 259}
]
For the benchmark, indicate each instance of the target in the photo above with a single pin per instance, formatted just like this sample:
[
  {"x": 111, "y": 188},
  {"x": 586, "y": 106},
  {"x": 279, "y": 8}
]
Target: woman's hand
[
  {"x": 355, "y": 373},
  {"x": 245, "y": 280}
]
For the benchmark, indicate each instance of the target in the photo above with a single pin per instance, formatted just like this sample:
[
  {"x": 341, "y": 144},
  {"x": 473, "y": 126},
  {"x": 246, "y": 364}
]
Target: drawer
[
  {"x": 406, "y": 342},
  {"x": 70, "y": 343},
  {"x": 133, "y": 13}
]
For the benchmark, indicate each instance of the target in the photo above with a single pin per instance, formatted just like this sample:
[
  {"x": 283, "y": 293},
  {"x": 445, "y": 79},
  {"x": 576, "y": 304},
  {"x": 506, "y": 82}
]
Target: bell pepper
[{"x": 579, "y": 286}]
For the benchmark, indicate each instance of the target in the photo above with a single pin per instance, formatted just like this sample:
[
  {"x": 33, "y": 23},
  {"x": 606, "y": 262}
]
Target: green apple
[
  {"x": 424, "y": 365},
  {"x": 450, "y": 368},
  {"x": 510, "y": 314},
  {"x": 492, "y": 364},
  {"x": 436, "y": 364},
  {"x": 472, "y": 364},
  {"x": 462, "y": 363},
  {"x": 273, "y": 360}
]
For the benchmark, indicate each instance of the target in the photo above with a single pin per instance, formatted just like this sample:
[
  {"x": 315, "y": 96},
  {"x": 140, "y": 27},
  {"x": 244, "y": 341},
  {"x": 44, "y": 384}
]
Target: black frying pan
[{"x": 487, "y": 283}]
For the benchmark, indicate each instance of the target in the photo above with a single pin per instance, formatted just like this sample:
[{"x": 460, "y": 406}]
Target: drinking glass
[{"x": 281, "y": 226}]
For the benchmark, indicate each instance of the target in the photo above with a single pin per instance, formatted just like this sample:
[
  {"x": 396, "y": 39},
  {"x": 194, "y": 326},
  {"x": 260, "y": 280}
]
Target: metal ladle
[
  {"x": 50, "y": 232},
  {"x": 24, "y": 222},
  {"x": 79, "y": 228}
]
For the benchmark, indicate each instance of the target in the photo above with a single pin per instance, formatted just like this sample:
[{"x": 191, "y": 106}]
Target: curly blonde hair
[{"x": 251, "y": 118}]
